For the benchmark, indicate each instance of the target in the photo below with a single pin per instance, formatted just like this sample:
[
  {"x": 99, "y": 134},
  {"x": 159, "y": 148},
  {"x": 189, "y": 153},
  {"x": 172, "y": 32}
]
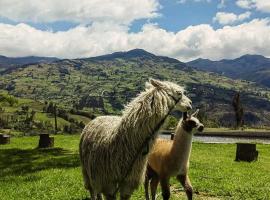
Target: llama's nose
[
  {"x": 201, "y": 128},
  {"x": 189, "y": 107}
]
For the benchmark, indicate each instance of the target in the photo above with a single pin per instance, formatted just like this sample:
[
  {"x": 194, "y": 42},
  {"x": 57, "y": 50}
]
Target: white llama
[
  {"x": 109, "y": 145},
  {"x": 171, "y": 158}
]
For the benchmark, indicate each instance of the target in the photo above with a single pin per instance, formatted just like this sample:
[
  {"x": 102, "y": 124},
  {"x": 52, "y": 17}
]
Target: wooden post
[
  {"x": 45, "y": 141},
  {"x": 246, "y": 152},
  {"x": 172, "y": 136},
  {"x": 4, "y": 139}
]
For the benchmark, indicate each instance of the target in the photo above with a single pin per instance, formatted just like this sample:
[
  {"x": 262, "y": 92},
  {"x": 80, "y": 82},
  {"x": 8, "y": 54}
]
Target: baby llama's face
[{"x": 195, "y": 124}]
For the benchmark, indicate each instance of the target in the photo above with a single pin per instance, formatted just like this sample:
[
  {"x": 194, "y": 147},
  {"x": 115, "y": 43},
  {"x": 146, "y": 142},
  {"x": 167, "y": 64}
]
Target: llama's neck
[
  {"x": 143, "y": 118},
  {"x": 181, "y": 148}
]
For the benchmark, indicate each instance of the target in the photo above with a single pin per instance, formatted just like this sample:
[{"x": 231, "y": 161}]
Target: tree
[
  {"x": 50, "y": 108},
  {"x": 238, "y": 110},
  {"x": 55, "y": 118},
  {"x": 11, "y": 100}
]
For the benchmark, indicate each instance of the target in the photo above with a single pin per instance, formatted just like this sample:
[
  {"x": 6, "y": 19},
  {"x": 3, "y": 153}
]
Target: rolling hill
[
  {"x": 13, "y": 62},
  {"x": 254, "y": 68},
  {"x": 104, "y": 84}
]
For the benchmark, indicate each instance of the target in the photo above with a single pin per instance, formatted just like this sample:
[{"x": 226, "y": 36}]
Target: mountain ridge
[
  {"x": 13, "y": 62},
  {"x": 254, "y": 68}
]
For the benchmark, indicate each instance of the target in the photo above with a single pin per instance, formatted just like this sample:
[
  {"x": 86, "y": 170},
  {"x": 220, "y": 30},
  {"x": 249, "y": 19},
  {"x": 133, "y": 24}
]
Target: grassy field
[{"x": 29, "y": 173}]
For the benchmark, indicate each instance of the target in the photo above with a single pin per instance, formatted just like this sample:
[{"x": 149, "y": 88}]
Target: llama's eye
[{"x": 179, "y": 93}]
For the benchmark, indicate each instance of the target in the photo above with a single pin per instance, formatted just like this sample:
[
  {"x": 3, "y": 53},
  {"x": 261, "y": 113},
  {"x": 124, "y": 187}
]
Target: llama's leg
[
  {"x": 125, "y": 197},
  {"x": 99, "y": 196},
  {"x": 93, "y": 195},
  {"x": 126, "y": 191},
  {"x": 165, "y": 187},
  {"x": 153, "y": 184},
  {"x": 87, "y": 184},
  {"x": 110, "y": 197},
  {"x": 185, "y": 182},
  {"x": 128, "y": 188}
]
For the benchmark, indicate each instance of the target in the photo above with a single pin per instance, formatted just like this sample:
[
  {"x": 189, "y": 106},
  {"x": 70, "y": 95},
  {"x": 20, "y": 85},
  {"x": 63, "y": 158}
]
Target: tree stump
[
  {"x": 246, "y": 152},
  {"x": 45, "y": 141},
  {"x": 4, "y": 139}
]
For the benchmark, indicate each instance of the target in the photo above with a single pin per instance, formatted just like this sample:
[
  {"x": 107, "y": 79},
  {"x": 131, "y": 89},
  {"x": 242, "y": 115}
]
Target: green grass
[
  {"x": 29, "y": 173},
  {"x": 47, "y": 117}
]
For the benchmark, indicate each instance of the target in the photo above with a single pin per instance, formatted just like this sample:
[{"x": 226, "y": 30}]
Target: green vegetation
[
  {"x": 103, "y": 86},
  {"x": 30, "y": 173},
  {"x": 29, "y": 117}
]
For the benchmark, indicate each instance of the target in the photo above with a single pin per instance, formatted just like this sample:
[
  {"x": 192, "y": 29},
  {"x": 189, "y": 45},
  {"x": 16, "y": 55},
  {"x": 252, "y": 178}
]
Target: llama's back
[{"x": 95, "y": 149}]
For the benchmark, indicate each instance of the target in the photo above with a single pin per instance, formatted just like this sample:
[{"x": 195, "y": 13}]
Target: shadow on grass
[{"x": 18, "y": 162}]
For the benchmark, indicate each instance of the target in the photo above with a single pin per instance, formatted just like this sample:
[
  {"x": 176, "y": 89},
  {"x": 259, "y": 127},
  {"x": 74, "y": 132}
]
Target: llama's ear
[
  {"x": 195, "y": 113},
  {"x": 156, "y": 83},
  {"x": 148, "y": 86},
  {"x": 185, "y": 115}
]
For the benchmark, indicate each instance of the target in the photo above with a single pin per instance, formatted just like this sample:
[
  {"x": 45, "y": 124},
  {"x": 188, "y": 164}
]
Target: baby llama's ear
[
  {"x": 156, "y": 83},
  {"x": 195, "y": 113},
  {"x": 185, "y": 115}
]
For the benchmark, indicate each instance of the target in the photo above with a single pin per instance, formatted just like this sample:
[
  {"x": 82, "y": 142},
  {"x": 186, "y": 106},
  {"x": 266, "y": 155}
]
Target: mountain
[
  {"x": 104, "y": 84},
  {"x": 254, "y": 68},
  {"x": 134, "y": 54},
  {"x": 11, "y": 62}
]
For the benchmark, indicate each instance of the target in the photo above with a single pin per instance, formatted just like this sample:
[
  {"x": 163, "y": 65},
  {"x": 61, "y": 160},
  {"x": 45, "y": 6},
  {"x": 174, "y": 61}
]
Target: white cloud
[
  {"x": 260, "y": 5},
  {"x": 79, "y": 11},
  {"x": 246, "y": 4},
  {"x": 99, "y": 38},
  {"x": 230, "y": 18}
]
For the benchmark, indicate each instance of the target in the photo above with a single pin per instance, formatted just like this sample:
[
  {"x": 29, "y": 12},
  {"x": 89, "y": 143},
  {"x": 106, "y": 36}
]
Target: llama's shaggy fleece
[{"x": 109, "y": 143}]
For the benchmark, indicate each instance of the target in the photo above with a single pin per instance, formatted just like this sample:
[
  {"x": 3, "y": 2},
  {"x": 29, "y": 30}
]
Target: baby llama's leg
[
  {"x": 146, "y": 187},
  {"x": 165, "y": 187},
  {"x": 152, "y": 177},
  {"x": 154, "y": 184},
  {"x": 185, "y": 182}
]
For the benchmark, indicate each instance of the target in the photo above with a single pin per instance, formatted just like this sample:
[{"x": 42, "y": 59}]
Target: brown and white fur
[
  {"x": 171, "y": 158},
  {"x": 109, "y": 144}
]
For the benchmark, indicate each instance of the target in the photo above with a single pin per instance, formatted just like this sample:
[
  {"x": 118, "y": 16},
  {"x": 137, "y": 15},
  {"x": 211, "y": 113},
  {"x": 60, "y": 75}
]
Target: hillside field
[{"x": 103, "y": 85}]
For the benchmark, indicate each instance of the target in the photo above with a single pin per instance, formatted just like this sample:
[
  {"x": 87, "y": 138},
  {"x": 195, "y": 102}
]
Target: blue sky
[
  {"x": 183, "y": 29},
  {"x": 174, "y": 16}
]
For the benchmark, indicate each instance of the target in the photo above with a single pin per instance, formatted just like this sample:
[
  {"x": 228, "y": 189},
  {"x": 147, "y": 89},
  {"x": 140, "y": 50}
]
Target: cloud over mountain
[{"x": 99, "y": 38}]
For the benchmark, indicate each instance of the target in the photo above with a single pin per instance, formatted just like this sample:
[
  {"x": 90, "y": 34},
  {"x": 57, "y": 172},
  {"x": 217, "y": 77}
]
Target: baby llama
[
  {"x": 111, "y": 150},
  {"x": 171, "y": 158}
]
